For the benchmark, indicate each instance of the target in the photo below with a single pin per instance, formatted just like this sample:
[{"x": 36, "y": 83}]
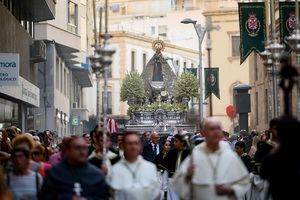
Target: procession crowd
[{"x": 208, "y": 165}]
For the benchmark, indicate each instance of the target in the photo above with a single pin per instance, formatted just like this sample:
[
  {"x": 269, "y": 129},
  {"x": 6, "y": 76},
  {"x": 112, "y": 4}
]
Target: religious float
[{"x": 158, "y": 99}]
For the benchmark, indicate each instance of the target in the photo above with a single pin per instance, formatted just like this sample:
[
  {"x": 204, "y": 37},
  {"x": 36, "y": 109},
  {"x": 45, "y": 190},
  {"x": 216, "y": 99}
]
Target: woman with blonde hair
[
  {"x": 26, "y": 141},
  {"x": 38, "y": 154}
]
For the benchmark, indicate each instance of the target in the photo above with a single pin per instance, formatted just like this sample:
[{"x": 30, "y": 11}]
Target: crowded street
[{"x": 149, "y": 100}]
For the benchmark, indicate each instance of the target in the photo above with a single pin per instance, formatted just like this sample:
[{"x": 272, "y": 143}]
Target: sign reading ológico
[{"x": 9, "y": 69}]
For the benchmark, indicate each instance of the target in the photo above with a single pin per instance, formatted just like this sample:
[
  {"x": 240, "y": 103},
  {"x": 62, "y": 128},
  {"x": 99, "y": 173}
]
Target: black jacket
[
  {"x": 148, "y": 153},
  {"x": 60, "y": 179},
  {"x": 169, "y": 162}
]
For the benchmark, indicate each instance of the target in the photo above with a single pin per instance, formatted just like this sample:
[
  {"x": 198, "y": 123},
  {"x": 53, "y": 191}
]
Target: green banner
[
  {"x": 192, "y": 70},
  {"x": 252, "y": 28},
  {"x": 287, "y": 20},
  {"x": 211, "y": 76}
]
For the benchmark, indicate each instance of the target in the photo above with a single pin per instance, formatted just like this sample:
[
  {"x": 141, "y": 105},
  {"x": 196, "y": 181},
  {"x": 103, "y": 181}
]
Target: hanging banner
[
  {"x": 287, "y": 20},
  {"x": 211, "y": 76},
  {"x": 192, "y": 71},
  {"x": 252, "y": 28}
]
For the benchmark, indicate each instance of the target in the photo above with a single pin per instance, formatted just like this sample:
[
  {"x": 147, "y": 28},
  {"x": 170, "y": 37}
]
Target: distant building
[
  {"x": 66, "y": 72},
  {"x": 162, "y": 18},
  {"x": 17, "y": 20},
  {"x": 133, "y": 52}
]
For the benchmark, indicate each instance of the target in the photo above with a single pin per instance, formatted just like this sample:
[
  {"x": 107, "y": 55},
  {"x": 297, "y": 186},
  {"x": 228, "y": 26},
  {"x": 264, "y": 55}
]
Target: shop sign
[
  {"x": 9, "y": 69},
  {"x": 75, "y": 120},
  {"x": 26, "y": 92}
]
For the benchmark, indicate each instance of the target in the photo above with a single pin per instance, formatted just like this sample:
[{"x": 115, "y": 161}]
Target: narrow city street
[{"x": 149, "y": 100}]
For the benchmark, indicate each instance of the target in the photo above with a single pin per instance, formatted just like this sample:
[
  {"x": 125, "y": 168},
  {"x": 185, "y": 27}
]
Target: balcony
[{"x": 37, "y": 10}]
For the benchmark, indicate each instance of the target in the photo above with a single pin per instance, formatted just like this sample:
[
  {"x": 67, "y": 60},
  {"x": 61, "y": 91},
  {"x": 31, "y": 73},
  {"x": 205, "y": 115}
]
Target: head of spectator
[
  {"x": 5, "y": 143},
  {"x": 225, "y": 135},
  {"x": 24, "y": 141},
  {"x": 273, "y": 125},
  {"x": 38, "y": 154},
  {"x": 119, "y": 141},
  {"x": 288, "y": 134},
  {"x": 147, "y": 136},
  {"x": 166, "y": 146},
  {"x": 180, "y": 142},
  {"x": 240, "y": 148},
  {"x": 87, "y": 138},
  {"x": 155, "y": 138},
  {"x": 132, "y": 146},
  {"x": 212, "y": 131},
  {"x": 20, "y": 160},
  {"x": 11, "y": 133},
  {"x": 76, "y": 151}
]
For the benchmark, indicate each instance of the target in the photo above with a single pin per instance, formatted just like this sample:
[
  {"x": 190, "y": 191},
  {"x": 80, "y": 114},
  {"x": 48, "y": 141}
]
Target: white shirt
[
  {"x": 216, "y": 168},
  {"x": 134, "y": 181}
]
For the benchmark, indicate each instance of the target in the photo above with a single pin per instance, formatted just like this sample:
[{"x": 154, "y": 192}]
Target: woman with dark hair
[
  {"x": 281, "y": 168},
  {"x": 240, "y": 147},
  {"x": 166, "y": 147},
  {"x": 176, "y": 156}
]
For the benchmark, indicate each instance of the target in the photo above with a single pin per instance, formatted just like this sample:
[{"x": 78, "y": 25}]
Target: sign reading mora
[{"x": 9, "y": 69}]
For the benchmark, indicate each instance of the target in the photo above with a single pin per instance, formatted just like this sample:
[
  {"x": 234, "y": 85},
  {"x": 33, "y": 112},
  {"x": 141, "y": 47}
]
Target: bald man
[
  {"x": 215, "y": 170},
  {"x": 152, "y": 149}
]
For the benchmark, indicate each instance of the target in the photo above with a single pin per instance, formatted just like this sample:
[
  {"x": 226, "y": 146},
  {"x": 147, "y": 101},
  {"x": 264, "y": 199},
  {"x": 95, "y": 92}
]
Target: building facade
[
  {"x": 162, "y": 19},
  {"x": 133, "y": 52},
  {"x": 66, "y": 72},
  {"x": 225, "y": 55},
  {"x": 19, "y": 48}
]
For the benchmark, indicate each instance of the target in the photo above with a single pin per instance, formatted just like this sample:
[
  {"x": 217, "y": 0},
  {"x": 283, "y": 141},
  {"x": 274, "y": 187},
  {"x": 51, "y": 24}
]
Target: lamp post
[
  {"x": 101, "y": 61},
  {"x": 294, "y": 43},
  {"x": 200, "y": 33},
  {"x": 272, "y": 56}
]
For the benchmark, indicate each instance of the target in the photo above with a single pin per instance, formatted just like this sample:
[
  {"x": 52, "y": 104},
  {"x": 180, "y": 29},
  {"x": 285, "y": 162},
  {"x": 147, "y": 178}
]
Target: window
[
  {"x": 61, "y": 77},
  {"x": 144, "y": 60},
  {"x": 255, "y": 66},
  {"x": 72, "y": 17},
  {"x": 109, "y": 102},
  {"x": 184, "y": 65},
  {"x": 153, "y": 30},
  {"x": 162, "y": 31},
  {"x": 266, "y": 107},
  {"x": 177, "y": 63},
  {"x": 256, "y": 108},
  {"x": 132, "y": 60},
  {"x": 109, "y": 74},
  {"x": 192, "y": 65},
  {"x": 57, "y": 73},
  {"x": 68, "y": 85},
  {"x": 65, "y": 82},
  {"x": 235, "y": 46}
]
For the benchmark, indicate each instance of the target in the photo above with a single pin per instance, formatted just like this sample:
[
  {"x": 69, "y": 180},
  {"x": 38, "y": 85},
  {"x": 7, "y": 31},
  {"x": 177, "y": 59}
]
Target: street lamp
[
  {"x": 294, "y": 43},
  {"x": 200, "y": 33}
]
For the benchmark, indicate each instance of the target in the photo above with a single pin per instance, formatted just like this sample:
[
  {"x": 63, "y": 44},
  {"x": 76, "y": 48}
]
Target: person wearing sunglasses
[{"x": 39, "y": 155}]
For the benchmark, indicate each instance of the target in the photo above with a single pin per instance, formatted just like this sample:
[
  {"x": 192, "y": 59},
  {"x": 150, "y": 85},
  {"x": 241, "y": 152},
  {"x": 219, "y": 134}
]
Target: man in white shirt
[
  {"x": 133, "y": 177},
  {"x": 215, "y": 171}
]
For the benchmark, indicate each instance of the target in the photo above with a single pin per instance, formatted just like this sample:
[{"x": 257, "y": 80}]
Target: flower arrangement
[
  {"x": 186, "y": 86},
  {"x": 169, "y": 107},
  {"x": 132, "y": 87}
]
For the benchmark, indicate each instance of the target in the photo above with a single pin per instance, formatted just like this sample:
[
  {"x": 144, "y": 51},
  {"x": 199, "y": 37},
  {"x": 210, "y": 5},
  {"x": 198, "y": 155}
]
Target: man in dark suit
[{"x": 152, "y": 149}]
